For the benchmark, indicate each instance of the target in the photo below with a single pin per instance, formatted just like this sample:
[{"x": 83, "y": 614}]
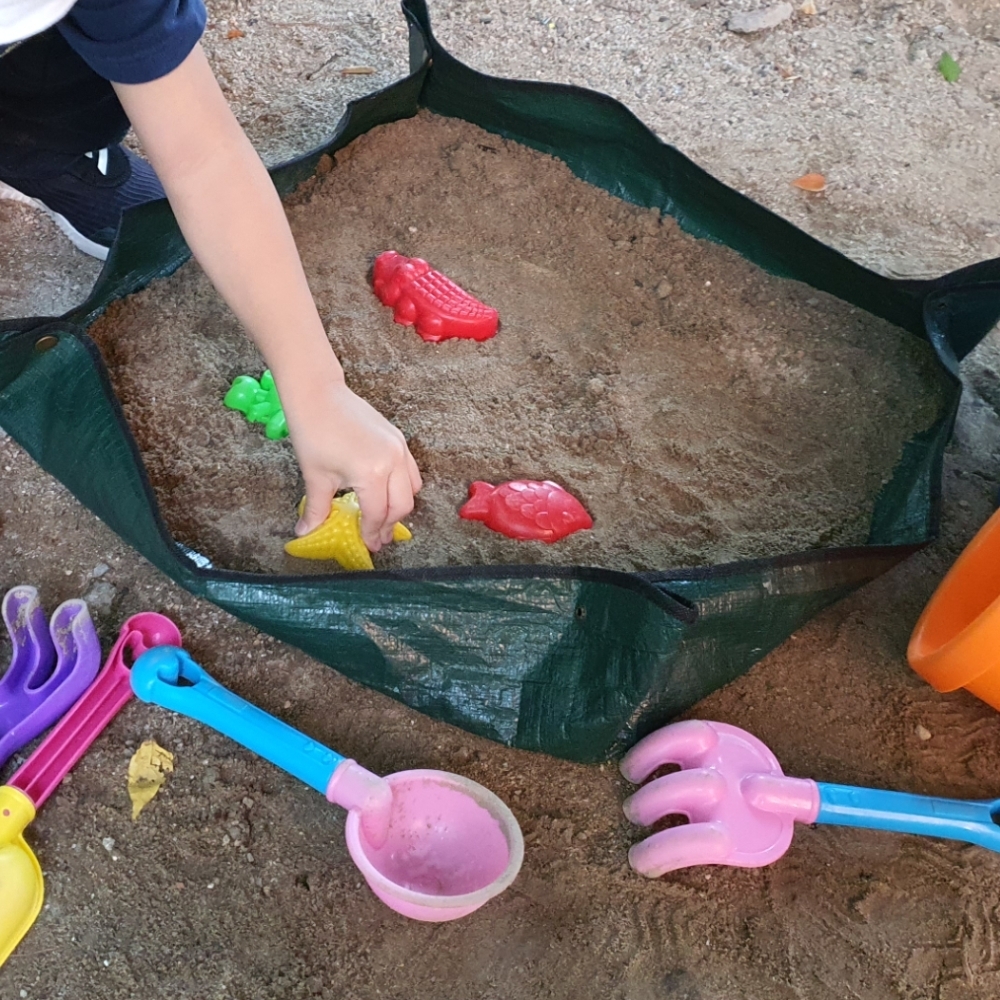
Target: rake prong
[
  {"x": 681, "y": 847},
  {"x": 691, "y": 793},
  {"x": 74, "y": 639},
  {"x": 33, "y": 656},
  {"x": 741, "y": 808},
  {"x": 683, "y": 743}
]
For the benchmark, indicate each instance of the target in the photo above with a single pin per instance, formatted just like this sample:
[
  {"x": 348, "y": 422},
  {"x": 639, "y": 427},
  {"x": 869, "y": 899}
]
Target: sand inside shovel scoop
[{"x": 445, "y": 839}]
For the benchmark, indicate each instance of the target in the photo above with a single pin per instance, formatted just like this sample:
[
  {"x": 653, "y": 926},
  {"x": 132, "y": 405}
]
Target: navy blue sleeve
[{"x": 133, "y": 41}]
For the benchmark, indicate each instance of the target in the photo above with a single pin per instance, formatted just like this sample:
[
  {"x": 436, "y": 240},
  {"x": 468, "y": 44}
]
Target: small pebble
[
  {"x": 109, "y": 844},
  {"x": 923, "y": 733},
  {"x": 99, "y": 570},
  {"x": 746, "y": 23},
  {"x": 663, "y": 289},
  {"x": 101, "y": 596}
]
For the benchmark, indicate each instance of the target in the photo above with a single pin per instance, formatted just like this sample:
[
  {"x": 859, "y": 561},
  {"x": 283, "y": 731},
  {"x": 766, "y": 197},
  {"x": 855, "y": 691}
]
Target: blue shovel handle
[
  {"x": 167, "y": 676},
  {"x": 954, "y": 819}
]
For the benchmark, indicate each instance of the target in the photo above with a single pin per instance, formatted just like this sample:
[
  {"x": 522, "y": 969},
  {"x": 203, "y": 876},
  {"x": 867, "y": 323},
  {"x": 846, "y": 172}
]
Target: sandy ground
[{"x": 235, "y": 882}]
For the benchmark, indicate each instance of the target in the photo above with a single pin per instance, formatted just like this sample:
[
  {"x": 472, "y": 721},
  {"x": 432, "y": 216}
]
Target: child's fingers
[
  {"x": 416, "y": 483},
  {"x": 382, "y": 504},
  {"x": 400, "y": 496},
  {"x": 373, "y": 499}
]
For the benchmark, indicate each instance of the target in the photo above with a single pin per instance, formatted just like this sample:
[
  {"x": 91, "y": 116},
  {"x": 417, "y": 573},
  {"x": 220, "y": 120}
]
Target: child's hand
[
  {"x": 231, "y": 217},
  {"x": 341, "y": 441}
]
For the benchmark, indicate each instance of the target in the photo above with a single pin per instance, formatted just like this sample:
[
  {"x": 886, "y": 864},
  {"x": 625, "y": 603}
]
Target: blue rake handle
[{"x": 955, "y": 819}]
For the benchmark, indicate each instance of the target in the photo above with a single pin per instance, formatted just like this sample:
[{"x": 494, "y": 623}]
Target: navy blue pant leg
[{"x": 53, "y": 108}]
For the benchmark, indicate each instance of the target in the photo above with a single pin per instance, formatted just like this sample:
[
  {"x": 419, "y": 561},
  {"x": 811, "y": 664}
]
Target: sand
[{"x": 701, "y": 409}]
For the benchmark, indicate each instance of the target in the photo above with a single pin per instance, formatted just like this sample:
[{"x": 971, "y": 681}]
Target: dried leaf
[
  {"x": 949, "y": 68},
  {"x": 357, "y": 71},
  {"x": 235, "y": 33},
  {"x": 147, "y": 770},
  {"x": 811, "y": 182}
]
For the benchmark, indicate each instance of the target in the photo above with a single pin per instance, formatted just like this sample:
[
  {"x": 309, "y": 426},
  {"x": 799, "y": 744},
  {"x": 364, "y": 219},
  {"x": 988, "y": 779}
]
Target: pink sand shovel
[
  {"x": 742, "y": 808},
  {"x": 21, "y": 885},
  {"x": 431, "y": 845}
]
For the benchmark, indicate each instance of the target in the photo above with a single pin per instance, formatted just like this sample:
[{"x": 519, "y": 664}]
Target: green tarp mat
[{"x": 576, "y": 662}]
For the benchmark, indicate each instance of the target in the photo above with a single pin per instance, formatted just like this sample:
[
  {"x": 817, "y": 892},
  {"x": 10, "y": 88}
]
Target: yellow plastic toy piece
[
  {"x": 20, "y": 873},
  {"x": 339, "y": 536}
]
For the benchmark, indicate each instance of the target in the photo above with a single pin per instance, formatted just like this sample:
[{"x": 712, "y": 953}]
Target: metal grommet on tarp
[{"x": 46, "y": 343}]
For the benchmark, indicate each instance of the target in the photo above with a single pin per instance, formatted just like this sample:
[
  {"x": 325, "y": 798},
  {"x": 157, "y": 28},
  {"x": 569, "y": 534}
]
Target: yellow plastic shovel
[{"x": 21, "y": 887}]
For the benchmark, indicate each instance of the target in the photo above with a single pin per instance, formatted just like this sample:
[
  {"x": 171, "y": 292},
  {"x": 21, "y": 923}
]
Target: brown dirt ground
[{"x": 173, "y": 910}]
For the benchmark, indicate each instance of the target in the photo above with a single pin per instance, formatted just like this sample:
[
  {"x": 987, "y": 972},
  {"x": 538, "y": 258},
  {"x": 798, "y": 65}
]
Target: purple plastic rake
[{"x": 49, "y": 669}]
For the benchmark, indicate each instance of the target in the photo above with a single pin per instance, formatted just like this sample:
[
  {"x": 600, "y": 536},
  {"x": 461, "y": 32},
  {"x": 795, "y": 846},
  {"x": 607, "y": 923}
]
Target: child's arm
[{"x": 233, "y": 220}]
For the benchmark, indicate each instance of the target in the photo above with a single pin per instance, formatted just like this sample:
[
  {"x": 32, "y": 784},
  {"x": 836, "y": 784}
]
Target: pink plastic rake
[{"x": 742, "y": 809}]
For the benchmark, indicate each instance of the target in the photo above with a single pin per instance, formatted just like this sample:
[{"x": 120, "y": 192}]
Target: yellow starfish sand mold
[{"x": 339, "y": 536}]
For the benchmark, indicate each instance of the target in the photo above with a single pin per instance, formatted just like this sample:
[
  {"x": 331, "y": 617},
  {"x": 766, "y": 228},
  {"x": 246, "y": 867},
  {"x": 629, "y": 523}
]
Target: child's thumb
[{"x": 315, "y": 511}]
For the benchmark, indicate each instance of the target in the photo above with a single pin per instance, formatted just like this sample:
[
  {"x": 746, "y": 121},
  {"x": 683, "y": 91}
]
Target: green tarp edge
[{"x": 574, "y": 662}]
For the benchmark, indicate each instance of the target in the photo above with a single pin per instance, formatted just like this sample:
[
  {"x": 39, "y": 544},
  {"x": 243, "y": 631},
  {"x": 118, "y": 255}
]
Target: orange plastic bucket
[{"x": 956, "y": 642}]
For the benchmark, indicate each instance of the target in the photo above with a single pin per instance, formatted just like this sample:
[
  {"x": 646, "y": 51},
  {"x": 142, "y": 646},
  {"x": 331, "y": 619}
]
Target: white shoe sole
[{"x": 7, "y": 193}]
